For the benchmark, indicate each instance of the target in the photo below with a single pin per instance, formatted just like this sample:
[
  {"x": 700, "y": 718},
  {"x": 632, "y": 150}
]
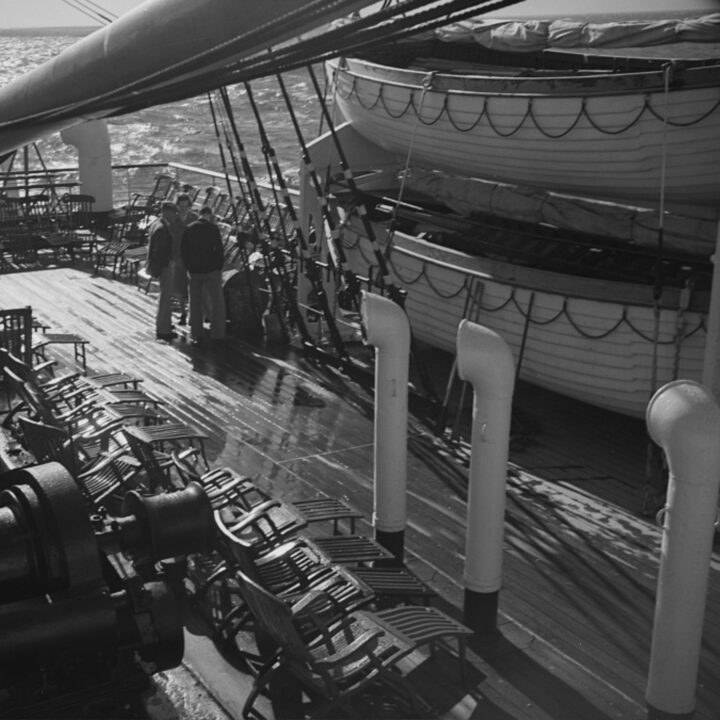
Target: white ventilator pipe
[
  {"x": 485, "y": 360},
  {"x": 684, "y": 419},
  {"x": 388, "y": 329},
  {"x": 92, "y": 141}
]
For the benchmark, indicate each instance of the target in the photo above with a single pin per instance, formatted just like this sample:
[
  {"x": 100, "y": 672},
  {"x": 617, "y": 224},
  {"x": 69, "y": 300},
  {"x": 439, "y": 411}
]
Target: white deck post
[
  {"x": 485, "y": 360},
  {"x": 388, "y": 329},
  {"x": 684, "y": 419}
]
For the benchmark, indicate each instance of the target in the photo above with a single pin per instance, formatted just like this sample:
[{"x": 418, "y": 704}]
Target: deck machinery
[{"x": 89, "y": 608}]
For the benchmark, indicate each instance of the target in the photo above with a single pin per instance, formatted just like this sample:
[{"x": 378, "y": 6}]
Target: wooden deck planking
[{"x": 580, "y": 567}]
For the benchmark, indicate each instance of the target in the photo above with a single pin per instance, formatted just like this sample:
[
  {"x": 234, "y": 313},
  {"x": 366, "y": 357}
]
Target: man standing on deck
[
  {"x": 202, "y": 253},
  {"x": 184, "y": 217},
  {"x": 159, "y": 266}
]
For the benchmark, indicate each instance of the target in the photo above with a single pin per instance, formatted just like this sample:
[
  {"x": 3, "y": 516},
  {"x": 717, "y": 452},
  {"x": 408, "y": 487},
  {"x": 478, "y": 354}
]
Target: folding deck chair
[
  {"x": 156, "y": 465},
  {"x": 112, "y": 252},
  {"x": 84, "y": 422},
  {"x": 148, "y": 205},
  {"x": 267, "y": 538},
  {"x": 46, "y": 221},
  {"x": 68, "y": 391},
  {"x": 222, "y": 482},
  {"x": 100, "y": 477},
  {"x": 170, "y": 434},
  {"x": 17, "y": 244},
  {"x": 336, "y": 661},
  {"x": 78, "y": 223},
  {"x": 291, "y": 572},
  {"x": 73, "y": 383},
  {"x": 16, "y": 329},
  {"x": 15, "y": 339}
]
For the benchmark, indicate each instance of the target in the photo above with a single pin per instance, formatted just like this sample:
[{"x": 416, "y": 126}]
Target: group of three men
[{"x": 185, "y": 254}]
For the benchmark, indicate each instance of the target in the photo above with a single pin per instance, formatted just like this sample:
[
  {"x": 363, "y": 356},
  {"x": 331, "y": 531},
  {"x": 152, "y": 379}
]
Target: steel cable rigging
[
  {"x": 219, "y": 66},
  {"x": 307, "y": 263}
]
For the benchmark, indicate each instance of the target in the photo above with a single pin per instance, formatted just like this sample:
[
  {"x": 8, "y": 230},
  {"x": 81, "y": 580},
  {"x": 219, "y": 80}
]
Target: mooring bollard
[
  {"x": 485, "y": 360},
  {"x": 684, "y": 419},
  {"x": 388, "y": 329}
]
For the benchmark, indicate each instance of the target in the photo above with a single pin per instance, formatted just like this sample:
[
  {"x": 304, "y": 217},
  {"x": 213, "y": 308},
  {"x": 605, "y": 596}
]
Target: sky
[{"x": 56, "y": 13}]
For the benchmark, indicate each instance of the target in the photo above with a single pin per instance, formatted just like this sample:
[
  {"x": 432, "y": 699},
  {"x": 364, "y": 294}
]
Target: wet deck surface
[{"x": 580, "y": 564}]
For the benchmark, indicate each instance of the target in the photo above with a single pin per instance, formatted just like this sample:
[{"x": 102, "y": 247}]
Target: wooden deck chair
[
  {"x": 18, "y": 249},
  {"x": 111, "y": 253},
  {"x": 132, "y": 263},
  {"x": 78, "y": 223},
  {"x": 17, "y": 243},
  {"x": 227, "y": 210},
  {"x": 220, "y": 205},
  {"x": 68, "y": 391},
  {"x": 169, "y": 434},
  {"x": 410, "y": 626},
  {"x": 16, "y": 329},
  {"x": 289, "y": 574},
  {"x": 157, "y": 467},
  {"x": 207, "y": 197},
  {"x": 83, "y": 421},
  {"x": 331, "y": 598},
  {"x": 222, "y": 485},
  {"x": 264, "y": 527},
  {"x": 165, "y": 186},
  {"x": 192, "y": 191},
  {"x": 148, "y": 205},
  {"x": 45, "y": 221},
  {"x": 12, "y": 216},
  {"x": 70, "y": 384},
  {"x": 298, "y": 563},
  {"x": 109, "y": 389},
  {"x": 341, "y": 661},
  {"x": 270, "y": 524},
  {"x": 98, "y": 478},
  {"x": 226, "y": 483},
  {"x": 22, "y": 370},
  {"x": 242, "y": 212}
]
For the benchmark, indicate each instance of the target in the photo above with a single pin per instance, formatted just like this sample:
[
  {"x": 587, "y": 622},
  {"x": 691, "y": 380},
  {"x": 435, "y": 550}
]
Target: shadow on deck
[{"x": 580, "y": 563}]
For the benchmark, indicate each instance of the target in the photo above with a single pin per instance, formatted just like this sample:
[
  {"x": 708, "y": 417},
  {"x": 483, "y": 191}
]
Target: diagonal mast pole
[
  {"x": 311, "y": 268},
  {"x": 394, "y": 292},
  {"x": 275, "y": 255}
]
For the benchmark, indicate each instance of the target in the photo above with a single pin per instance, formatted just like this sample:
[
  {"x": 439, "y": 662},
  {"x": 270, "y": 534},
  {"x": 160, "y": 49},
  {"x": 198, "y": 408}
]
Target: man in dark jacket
[
  {"x": 159, "y": 266},
  {"x": 203, "y": 256}
]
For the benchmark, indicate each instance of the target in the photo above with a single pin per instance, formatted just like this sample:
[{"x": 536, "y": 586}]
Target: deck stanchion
[
  {"x": 684, "y": 419},
  {"x": 485, "y": 360},
  {"x": 388, "y": 329}
]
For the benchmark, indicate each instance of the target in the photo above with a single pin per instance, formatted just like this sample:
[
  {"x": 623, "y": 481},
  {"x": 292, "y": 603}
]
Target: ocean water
[{"x": 181, "y": 132}]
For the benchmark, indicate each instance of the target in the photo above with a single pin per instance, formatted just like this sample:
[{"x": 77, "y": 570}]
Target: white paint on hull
[
  {"x": 577, "y": 141},
  {"x": 596, "y": 350}
]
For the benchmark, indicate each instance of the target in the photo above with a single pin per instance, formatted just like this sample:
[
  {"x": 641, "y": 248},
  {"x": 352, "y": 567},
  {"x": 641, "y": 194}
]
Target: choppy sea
[{"x": 181, "y": 132}]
